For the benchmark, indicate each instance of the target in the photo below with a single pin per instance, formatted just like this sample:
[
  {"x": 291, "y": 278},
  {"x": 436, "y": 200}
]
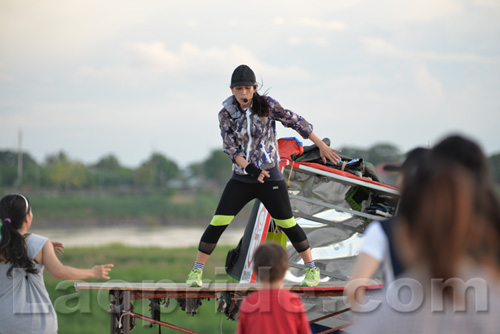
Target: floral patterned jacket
[{"x": 253, "y": 137}]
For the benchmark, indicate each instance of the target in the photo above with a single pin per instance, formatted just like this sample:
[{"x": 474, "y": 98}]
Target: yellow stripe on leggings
[
  {"x": 285, "y": 223},
  {"x": 220, "y": 220}
]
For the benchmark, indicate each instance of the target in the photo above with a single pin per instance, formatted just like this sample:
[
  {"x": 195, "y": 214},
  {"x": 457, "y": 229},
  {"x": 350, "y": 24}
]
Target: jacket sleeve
[
  {"x": 290, "y": 119},
  {"x": 229, "y": 143}
]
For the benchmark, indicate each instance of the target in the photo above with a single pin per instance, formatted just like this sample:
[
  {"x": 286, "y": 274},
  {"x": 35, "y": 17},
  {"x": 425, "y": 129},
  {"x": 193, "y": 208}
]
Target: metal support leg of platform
[
  {"x": 115, "y": 298},
  {"x": 120, "y": 309},
  {"x": 112, "y": 323},
  {"x": 126, "y": 309}
]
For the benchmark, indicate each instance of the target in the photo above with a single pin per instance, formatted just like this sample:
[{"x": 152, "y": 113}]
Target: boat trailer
[{"x": 228, "y": 296}]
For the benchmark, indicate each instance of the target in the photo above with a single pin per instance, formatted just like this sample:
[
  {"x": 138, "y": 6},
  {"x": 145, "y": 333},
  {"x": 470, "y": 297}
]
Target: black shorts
[{"x": 273, "y": 194}]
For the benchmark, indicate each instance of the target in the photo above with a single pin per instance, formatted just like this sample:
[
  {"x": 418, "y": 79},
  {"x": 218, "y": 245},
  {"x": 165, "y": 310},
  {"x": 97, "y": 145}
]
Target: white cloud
[
  {"x": 5, "y": 75},
  {"x": 295, "y": 41},
  {"x": 308, "y": 30},
  {"x": 488, "y": 3},
  {"x": 379, "y": 46},
  {"x": 309, "y": 22},
  {"x": 60, "y": 30},
  {"x": 321, "y": 42},
  {"x": 322, "y": 24},
  {"x": 156, "y": 56},
  {"x": 192, "y": 23},
  {"x": 460, "y": 57},
  {"x": 150, "y": 61},
  {"x": 359, "y": 81},
  {"x": 279, "y": 21},
  {"x": 377, "y": 63},
  {"x": 429, "y": 86},
  {"x": 413, "y": 11}
]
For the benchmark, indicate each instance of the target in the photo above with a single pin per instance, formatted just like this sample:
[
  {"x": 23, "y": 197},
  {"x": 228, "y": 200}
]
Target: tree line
[
  {"x": 59, "y": 171},
  {"x": 158, "y": 171}
]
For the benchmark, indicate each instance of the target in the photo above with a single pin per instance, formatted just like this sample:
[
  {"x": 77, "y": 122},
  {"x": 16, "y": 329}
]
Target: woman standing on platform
[
  {"x": 25, "y": 306},
  {"x": 248, "y": 129}
]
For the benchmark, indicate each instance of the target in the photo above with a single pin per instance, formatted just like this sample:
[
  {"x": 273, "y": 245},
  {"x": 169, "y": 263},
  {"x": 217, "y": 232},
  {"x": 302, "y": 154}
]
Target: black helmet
[{"x": 243, "y": 76}]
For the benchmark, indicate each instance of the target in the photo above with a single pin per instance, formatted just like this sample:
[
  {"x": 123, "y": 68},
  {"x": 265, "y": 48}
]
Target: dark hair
[
  {"x": 414, "y": 159},
  {"x": 439, "y": 209},
  {"x": 13, "y": 211},
  {"x": 260, "y": 105},
  {"x": 468, "y": 154},
  {"x": 270, "y": 262}
]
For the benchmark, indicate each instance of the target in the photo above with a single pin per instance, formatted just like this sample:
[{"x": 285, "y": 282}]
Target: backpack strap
[{"x": 387, "y": 225}]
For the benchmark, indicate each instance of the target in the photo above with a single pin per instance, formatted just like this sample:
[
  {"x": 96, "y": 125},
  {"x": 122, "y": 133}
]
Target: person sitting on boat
[{"x": 248, "y": 129}]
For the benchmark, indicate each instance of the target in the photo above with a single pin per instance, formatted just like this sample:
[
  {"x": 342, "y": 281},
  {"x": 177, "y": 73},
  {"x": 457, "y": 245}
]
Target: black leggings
[{"x": 272, "y": 194}]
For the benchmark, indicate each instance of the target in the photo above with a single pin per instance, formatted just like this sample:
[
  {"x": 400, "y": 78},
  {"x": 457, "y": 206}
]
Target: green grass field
[
  {"x": 154, "y": 208},
  {"x": 85, "y": 311}
]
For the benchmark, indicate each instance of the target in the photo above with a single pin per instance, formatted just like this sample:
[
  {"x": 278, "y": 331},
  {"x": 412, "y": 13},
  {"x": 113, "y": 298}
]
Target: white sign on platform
[{"x": 259, "y": 235}]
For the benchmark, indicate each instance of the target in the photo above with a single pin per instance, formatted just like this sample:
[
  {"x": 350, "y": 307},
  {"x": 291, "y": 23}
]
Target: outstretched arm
[
  {"x": 363, "y": 270},
  {"x": 60, "y": 271},
  {"x": 326, "y": 151}
]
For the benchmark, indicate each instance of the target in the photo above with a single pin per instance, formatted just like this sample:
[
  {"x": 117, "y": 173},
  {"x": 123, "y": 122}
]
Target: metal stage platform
[{"x": 227, "y": 294}]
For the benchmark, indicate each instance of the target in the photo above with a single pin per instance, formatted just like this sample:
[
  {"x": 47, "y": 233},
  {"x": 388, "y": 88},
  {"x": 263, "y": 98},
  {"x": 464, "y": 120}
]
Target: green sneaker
[
  {"x": 194, "y": 278},
  {"x": 312, "y": 277}
]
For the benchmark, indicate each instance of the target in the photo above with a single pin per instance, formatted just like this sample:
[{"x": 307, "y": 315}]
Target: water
[{"x": 164, "y": 236}]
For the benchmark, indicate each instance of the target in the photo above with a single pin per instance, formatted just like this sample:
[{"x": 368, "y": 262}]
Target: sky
[{"x": 129, "y": 78}]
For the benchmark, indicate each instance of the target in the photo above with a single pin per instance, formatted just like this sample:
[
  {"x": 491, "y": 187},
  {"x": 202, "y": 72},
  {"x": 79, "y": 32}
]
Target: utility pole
[{"x": 20, "y": 159}]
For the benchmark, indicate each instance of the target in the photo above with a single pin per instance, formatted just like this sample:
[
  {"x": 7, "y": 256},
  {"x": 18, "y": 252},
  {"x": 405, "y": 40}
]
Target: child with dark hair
[
  {"x": 272, "y": 309},
  {"x": 25, "y": 306}
]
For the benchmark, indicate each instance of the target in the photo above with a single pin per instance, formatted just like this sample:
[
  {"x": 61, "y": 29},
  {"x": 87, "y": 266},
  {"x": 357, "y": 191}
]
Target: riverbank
[
  {"x": 86, "y": 311},
  {"x": 161, "y": 236}
]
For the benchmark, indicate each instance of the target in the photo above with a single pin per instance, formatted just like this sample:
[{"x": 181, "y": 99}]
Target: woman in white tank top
[{"x": 25, "y": 306}]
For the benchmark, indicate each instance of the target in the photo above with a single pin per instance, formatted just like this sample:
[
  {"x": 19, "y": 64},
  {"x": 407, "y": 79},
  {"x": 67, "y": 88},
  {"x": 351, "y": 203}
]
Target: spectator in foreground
[
  {"x": 485, "y": 240},
  {"x": 25, "y": 306},
  {"x": 272, "y": 309},
  {"x": 378, "y": 248},
  {"x": 444, "y": 289}
]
